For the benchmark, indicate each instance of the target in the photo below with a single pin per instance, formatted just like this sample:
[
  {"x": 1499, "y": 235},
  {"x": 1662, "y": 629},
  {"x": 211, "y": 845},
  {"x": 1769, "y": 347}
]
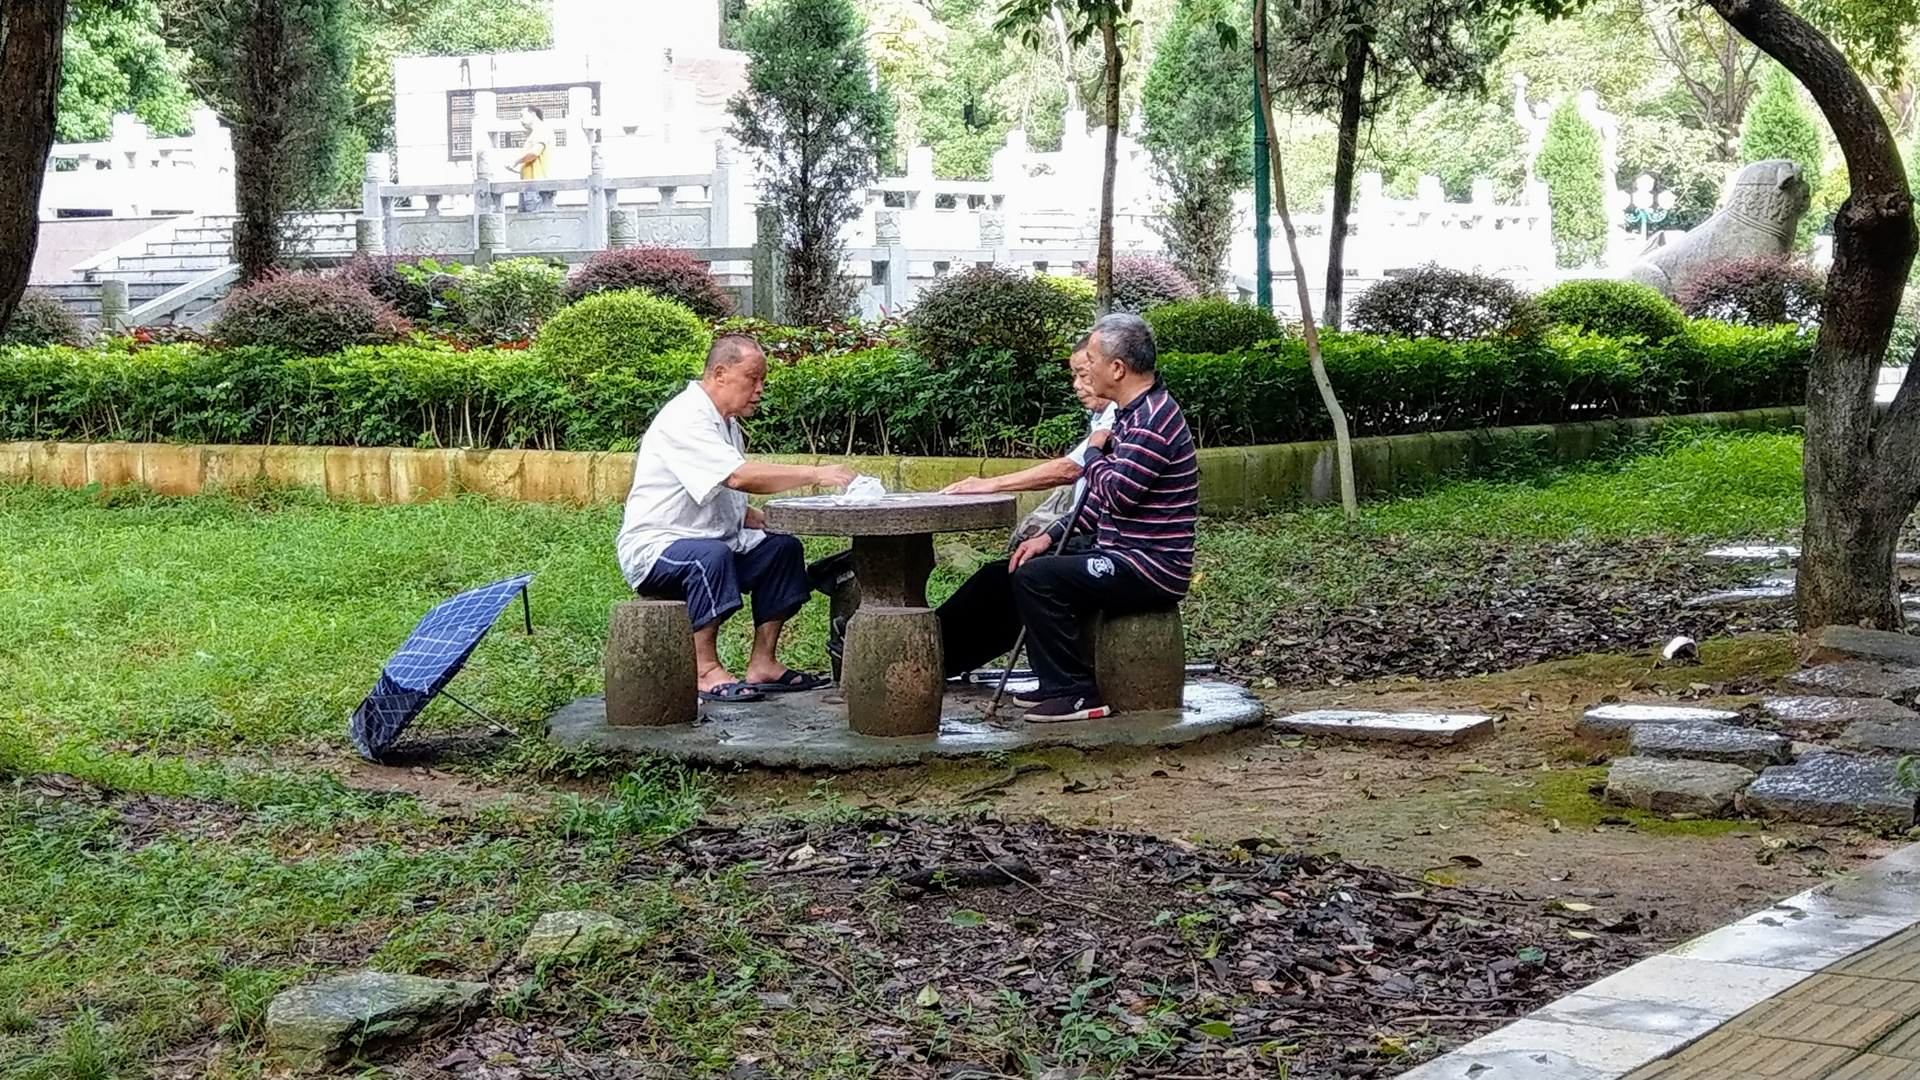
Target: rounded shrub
[
  {"x": 623, "y": 330},
  {"x": 307, "y": 314},
  {"x": 990, "y": 309},
  {"x": 1079, "y": 288},
  {"x": 1616, "y": 309},
  {"x": 1756, "y": 292},
  {"x": 41, "y": 319},
  {"x": 508, "y": 300},
  {"x": 1452, "y": 305},
  {"x": 668, "y": 273},
  {"x": 1211, "y": 325},
  {"x": 412, "y": 296},
  {"x": 1142, "y": 283}
]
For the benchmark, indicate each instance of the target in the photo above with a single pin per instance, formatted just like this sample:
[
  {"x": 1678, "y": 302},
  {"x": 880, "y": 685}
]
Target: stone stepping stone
[
  {"x": 1749, "y": 749},
  {"x": 1833, "y": 711},
  {"x": 1619, "y": 718},
  {"x": 1663, "y": 786},
  {"x": 1417, "y": 728},
  {"x": 1833, "y": 789},
  {"x": 1860, "y": 678},
  {"x": 1766, "y": 592},
  {"x": 1896, "y": 736},
  {"x": 1754, "y": 553},
  {"x": 1859, "y": 643}
]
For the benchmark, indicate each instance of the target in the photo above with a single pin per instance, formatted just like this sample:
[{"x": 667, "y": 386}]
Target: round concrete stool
[
  {"x": 649, "y": 663},
  {"x": 894, "y": 671},
  {"x": 1140, "y": 660}
]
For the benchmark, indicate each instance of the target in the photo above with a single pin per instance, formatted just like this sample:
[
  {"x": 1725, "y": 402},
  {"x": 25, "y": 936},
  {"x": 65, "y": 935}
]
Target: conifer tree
[
  {"x": 818, "y": 122},
  {"x": 1569, "y": 163}
]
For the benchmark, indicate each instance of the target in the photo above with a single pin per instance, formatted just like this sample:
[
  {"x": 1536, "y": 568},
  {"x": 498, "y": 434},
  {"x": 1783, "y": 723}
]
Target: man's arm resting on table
[
  {"x": 762, "y": 478},
  {"x": 1047, "y": 474}
]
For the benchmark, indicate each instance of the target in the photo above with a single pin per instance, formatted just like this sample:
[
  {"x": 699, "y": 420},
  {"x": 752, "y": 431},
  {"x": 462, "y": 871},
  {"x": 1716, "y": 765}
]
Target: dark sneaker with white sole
[
  {"x": 1027, "y": 699},
  {"x": 1061, "y": 709}
]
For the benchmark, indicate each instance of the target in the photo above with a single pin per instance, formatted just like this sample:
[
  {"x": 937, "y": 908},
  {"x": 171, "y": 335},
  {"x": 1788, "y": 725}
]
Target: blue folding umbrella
[{"x": 430, "y": 658}]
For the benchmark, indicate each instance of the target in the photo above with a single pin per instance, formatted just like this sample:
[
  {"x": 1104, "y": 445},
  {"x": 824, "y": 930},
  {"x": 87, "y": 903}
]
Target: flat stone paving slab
[
  {"x": 1890, "y": 736},
  {"x": 1765, "y": 592},
  {"x": 1763, "y": 554},
  {"x": 1860, "y": 678},
  {"x": 1745, "y": 747},
  {"x": 1418, "y": 728},
  {"x": 1662, "y": 786},
  {"x": 1833, "y": 713},
  {"x": 1619, "y": 718},
  {"x": 806, "y": 730},
  {"x": 1833, "y": 789},
  {"x": 1859, "y": 643}
]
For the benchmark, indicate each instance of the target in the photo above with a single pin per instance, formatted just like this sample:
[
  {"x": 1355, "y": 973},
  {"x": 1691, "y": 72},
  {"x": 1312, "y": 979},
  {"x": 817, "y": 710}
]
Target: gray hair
[
  {"x": 1129, "y": 339},
  {"x": 730, "y": 349}
]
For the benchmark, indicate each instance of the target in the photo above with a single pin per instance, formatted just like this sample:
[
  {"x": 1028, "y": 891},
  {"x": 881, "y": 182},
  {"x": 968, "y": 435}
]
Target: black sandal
[
  {"x": 733, "y": 693},
  {"x": 792, "y": 682}
]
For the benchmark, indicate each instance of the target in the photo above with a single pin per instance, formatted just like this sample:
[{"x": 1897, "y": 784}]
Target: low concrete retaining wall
[{"x": 1236, "y": 479}]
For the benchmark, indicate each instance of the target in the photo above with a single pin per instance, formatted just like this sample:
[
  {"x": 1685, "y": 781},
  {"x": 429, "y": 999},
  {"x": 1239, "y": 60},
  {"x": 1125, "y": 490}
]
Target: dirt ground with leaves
[{"x": 1518, "y": 811}]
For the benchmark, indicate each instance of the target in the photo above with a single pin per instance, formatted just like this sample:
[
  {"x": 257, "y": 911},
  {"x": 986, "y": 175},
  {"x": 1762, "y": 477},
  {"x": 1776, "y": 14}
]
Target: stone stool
[
  {"x": 649, "y": 663},
  {"x": 1140, "y": 660}
]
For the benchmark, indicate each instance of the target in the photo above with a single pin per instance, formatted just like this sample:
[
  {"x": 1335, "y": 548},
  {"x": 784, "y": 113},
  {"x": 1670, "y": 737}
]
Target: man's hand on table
[
  {"x": 972, "y": 485},
  {"x": 1028, "y": 550},
  {"x": 756, "y": 518},
  {"x": 832, "y": 476}
]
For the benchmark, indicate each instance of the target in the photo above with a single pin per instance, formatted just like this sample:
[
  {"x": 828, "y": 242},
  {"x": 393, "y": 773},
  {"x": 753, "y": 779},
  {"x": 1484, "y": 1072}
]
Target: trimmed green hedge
[{"x": 878, "y": 401}]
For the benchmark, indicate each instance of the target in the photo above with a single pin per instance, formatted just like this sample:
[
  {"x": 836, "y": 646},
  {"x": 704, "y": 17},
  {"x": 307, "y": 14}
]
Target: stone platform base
[{"x": 809, "y": 730}]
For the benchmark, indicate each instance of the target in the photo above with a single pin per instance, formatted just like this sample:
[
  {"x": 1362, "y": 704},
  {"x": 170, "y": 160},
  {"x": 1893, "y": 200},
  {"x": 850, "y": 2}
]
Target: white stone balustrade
[{"x": 133, "y": 173}]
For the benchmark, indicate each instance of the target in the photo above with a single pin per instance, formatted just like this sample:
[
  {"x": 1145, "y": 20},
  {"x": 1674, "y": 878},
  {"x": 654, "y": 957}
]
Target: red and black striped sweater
[{"x": 1143, "y": 493}]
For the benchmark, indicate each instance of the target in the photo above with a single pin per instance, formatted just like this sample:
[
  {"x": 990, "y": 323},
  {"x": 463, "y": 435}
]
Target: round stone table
[{"x": 892, "y": 670}]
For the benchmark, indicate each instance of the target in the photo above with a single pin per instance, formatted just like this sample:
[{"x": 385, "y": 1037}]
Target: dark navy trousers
[{"x": 710, "y": 577}]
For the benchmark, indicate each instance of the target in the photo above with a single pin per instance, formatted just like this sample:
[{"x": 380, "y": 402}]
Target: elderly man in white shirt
[{"x": 689, "y": 534}]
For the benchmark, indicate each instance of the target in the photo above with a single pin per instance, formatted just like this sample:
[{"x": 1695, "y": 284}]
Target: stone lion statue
[{"x": 1761, "y": 209}]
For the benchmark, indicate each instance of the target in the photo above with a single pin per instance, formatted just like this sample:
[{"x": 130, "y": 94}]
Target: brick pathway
[
  {"x": 1857, "y": 1020},
  {"x": 1821, "y": 986}
]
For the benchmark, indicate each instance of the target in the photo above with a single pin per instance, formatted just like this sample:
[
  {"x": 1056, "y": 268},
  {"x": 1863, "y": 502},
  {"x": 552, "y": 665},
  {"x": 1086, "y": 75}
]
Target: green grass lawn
[
  {"x": 193, "y": 655},
  {"x": 221, "y": 625}
]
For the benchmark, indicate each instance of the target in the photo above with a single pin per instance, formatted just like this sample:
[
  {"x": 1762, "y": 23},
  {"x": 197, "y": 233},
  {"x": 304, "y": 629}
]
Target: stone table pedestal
[{"x": 894, "y": 669}]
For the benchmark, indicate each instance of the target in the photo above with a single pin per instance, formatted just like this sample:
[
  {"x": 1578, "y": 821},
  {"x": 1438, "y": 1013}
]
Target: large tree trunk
[
  {"x": 261, "y": 136},
  {"x": 1342, "y": 438},
  {"x": 1862, "y": 483},
  {"x": 1103, "y": 259},
  {"x": 1352, "y": 84},
  {"x": 30, "y": 41}
]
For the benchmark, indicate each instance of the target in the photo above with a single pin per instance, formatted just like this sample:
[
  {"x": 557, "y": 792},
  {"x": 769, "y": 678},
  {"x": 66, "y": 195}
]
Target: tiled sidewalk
[{"x": 1821, "y": 986}]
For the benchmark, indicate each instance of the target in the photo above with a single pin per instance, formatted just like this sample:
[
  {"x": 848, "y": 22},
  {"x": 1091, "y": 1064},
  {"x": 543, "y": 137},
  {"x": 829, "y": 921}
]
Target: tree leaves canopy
[{"x": 116, "y": 61}]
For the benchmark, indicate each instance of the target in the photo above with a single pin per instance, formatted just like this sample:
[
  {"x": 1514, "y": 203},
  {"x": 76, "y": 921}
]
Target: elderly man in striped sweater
[{"x": 1129, "y": 549}]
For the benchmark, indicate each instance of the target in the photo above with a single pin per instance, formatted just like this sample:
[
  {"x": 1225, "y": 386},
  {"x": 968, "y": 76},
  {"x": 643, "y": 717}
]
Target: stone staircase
[{"x": 178, "y": 273}]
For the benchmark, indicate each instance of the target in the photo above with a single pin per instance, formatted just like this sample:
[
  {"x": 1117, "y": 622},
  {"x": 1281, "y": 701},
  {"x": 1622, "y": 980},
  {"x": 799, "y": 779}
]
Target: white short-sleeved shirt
[
  {"x": 1102, "y": 421},
  {"x": 679, "y": 485}
]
